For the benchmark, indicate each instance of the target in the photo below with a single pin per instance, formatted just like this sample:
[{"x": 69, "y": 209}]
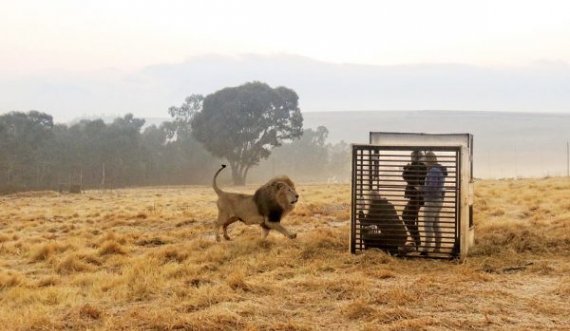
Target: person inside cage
[
  {"x": 433, "y": 194},
  {"x": 414, "y": 174},
  {"x": 382, "y": 227}
]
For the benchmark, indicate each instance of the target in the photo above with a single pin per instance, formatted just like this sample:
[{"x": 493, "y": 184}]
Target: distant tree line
[
  {"x": 253, "y": 127},
  {"x": 36, "y": 154}
]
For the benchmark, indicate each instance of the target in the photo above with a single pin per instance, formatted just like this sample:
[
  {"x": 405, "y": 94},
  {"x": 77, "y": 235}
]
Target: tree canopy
[
  {"x": 22, "y": 138},
  {"x": 242, "y": 124},
  {"x": 180, "y": 126}
]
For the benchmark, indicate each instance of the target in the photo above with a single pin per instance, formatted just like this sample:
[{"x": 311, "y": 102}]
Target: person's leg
[
  {"x": 410, "y": 220},
  {"x": 428, "y": 225},
  {"x": 436, "y": 225},
  {"x": 410, "y": 217},
  {"x": 415, "y": 231}
]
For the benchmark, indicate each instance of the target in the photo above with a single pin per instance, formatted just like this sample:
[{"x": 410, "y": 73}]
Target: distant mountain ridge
[{"x": 321, "y": 86}]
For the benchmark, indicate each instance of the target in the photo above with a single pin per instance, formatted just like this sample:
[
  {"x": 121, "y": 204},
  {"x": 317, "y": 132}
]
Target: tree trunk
[
  {"x": 245, "y": 173},
  {"x": 237, "y": 174}
]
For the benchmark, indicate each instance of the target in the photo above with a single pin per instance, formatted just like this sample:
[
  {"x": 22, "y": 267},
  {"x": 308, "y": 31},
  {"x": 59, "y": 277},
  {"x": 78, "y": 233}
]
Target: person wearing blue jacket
[{"x": 433, "y": 193}]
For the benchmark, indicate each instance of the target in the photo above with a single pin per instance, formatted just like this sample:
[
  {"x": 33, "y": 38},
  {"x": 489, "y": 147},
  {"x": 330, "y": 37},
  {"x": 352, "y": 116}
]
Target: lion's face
[{"x": 286, "y": 195}]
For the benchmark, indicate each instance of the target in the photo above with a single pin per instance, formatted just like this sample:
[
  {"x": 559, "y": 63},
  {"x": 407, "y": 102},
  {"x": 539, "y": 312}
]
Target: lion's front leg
[
  {"x": 265, "y": 230},
  {"x": 277, "y": 226}
]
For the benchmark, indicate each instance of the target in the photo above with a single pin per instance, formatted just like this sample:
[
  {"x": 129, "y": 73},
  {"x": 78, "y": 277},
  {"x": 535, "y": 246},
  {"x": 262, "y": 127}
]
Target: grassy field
[{"x": 146, "y": 259}]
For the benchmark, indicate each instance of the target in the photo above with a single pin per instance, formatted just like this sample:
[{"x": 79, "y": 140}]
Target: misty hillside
[
  {"x": 326, "y": 86},
  {"x": 321, "y": 86}
]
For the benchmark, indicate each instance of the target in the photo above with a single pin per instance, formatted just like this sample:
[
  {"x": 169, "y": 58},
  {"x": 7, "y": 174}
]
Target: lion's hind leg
[
  {"x": 227, "y": 223},
  {"x": 222, "y": 219}
]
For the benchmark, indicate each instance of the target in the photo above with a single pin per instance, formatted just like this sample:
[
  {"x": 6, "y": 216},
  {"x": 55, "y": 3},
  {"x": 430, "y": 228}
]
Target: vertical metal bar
[
  {"x": 360, "y": 169},
  {"x": 470, "y": 146},
  {"x": 370, "y": 167},
  {"x": 471, "y": 155},
  {"x": 458, "y": 199},
  {"x": 353, "y": 198},
  {"x": 567, "y": 159},
  {"x": 376, "y": 169}
]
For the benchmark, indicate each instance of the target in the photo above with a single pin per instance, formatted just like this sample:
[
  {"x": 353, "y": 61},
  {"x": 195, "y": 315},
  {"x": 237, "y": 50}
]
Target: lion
[{"x": 266, "y": 207}]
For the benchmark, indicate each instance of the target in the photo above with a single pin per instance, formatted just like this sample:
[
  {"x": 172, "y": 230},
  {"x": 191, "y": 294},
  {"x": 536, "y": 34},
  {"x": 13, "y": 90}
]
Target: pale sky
[
  {"x": 88, "y": 35},
  {"x": 78, "y": 58}
]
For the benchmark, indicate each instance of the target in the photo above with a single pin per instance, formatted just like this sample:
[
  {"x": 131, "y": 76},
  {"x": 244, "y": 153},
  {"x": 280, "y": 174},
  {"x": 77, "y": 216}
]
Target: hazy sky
[
  {"x": 86, "y": 35},
  {"x": 75, "y": 58}
]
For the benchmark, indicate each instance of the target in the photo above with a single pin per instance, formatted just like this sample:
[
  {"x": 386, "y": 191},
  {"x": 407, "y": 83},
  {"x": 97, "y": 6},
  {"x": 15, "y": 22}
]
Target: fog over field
[{"x": 505, "y": 144}]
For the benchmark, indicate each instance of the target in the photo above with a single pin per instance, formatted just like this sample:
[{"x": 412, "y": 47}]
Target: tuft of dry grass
[
  {"x": 48, "y": 281},
  {"x": 112, "y": 247},
  {"x": 89, "y": 311},
  {"x": 236, "y": 281},
  {"x": 4, "y": 238},
  {"x": 563, "y": 288},
  {"x": 172, "y": 254},
  {"x": 43, "y": 252},
  {"x": 359, "y": 309},
  {"x": 75, "y": 263},
  {"x": 8, "y": 280},
  {"x": 146, "y": 259}
]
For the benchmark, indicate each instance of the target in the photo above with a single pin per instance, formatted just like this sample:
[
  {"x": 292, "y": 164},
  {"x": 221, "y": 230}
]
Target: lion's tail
[{"x": 214, "y": 184}]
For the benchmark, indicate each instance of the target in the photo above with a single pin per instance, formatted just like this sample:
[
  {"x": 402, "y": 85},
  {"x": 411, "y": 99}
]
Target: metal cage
[{"x": 393, "y": 209}]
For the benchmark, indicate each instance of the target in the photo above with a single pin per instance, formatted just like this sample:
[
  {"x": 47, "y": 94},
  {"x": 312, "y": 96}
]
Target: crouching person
[{"x": 382, "y": 227}]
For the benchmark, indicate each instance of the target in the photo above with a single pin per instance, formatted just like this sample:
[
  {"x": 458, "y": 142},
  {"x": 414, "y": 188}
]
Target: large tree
[
  {"x": 23, "y": 137},
  {"x": 242, "y": 124}
]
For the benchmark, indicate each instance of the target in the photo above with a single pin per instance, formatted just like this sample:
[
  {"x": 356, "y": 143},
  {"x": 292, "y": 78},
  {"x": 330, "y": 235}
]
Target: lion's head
[
  {"x": 276, "y": 197},
  {"x": 285, "y": 195}
]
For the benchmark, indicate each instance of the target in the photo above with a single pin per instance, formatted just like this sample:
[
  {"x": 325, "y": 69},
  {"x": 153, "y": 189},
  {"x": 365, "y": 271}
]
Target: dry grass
[{"x": 146, "y": 259}]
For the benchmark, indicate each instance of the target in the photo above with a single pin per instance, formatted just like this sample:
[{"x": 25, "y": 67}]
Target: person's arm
[
  {"x": 427, "y": 183},
  {"x": 406, "y": 173}
]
